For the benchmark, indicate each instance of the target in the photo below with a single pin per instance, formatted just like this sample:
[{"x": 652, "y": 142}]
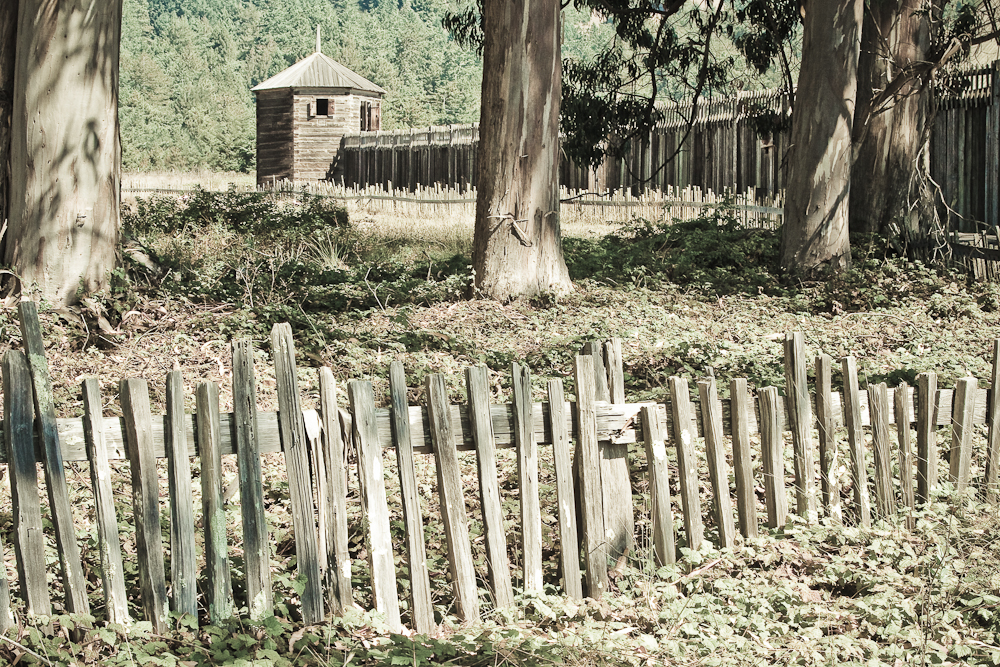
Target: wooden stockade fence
[{"x": 601, "y": 423}]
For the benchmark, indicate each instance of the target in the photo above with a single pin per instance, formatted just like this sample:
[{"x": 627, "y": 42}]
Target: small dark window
[{"x": 322, "y": 107}]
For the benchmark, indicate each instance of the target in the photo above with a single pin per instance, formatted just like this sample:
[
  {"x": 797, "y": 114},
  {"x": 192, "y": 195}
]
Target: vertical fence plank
[
  {"x": 219, "y": 590},
  {"x": 256, "y": 548},
  {"x": 927, "y": 455},
  {"x": 456, "y": 521},
  {"x": 293, "y": 441},
  {"x": 527, "y": 474},
  {"x": 660, "y": 512},
  {"x": 108, "y": 542},
  {"x": 855, "y": 441},
  {"x": 687, "y": 461},
  {"x": 569, "y": 547},
  {"x": 320, "y": 487},
  {"x": 902, "y": 404},
  {"x": 961, "y": 432},
  {"x": 595, "y": 554},
  {"x": 183, "y": 567},
  {"x": 28, "y": 538},
  {"x": 800, "y": 418},
  {"x": 371, "y": 473},
  {"x": 772, "y": 454},
  {"x": 134, "y": 396},
  {"x": 339, "y": 594},
  {"x": 615, "y": 370},
  {"x": 477, "y": 387},
  {"x": 746, "y": 499},
  {"x": 993, "y": 419},
  {"x": 829, "y": 460},
  {"x": 718, "y": 470},
  {"x": 878, "y": 408},
  {"x": 74, "y": 582},
  {"x": 422, "y": 611}
]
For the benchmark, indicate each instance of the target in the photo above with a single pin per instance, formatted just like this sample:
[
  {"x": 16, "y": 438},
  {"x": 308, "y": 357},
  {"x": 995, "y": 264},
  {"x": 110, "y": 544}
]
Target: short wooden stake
[
  {"x": 595, "y": 553},
  {"x": 219, "y": 591},
  {"x": 718, "y": 469},
  {"x": 927, "y": 451},
  {"x": 661, "y": 512},
  {"x": 961, "y": 433},
  {"x": 338, "y": 580},
  {"x": 183, "y": 566},
  {"x": 569, "y": 546},
  {"x": 746, "y": 499},
  {"x": 800, "y": 418},
  {"x": 829, "y": 458},
  {"x": 527, "y": 474},
  {"x": 903, "y": 404},
  {"x": 687, "y": 461},
  {"x": 855, "y": 441},
  {"x": 772, "y": 446},
  {"x": 878, "y": 408},
  {"x": 993, "y": 420}
]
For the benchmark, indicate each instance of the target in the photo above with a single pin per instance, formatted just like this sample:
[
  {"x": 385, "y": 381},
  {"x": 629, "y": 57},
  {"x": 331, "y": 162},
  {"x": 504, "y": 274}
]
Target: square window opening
[{"x": 322, "y": 107}]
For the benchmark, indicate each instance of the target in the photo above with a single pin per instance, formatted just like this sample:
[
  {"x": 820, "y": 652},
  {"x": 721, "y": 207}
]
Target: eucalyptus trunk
[
  {"x": 518, "y": 246},
  {"x": 65, "y": 150},
  {"x": 815, "y": 231}
]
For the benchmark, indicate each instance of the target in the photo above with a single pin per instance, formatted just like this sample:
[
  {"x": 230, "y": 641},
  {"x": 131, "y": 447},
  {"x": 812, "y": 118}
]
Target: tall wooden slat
[
  {"x": 855, "y": 441},
  {"x": 878, "y": 406},
  {"x": 718, "y": 469},
  {"x": 569, "y": 547},
  {"x": 183, "y": 567},
  {"x": 829, "y": 459},
  {"x": 29, "y": 541},
  {"x": 595, "y": 552},
  {"x": 687, "y": 461},
  {"x": 456, "y": 521},
  {"x": 293, "y": 441},
  {"x": 339, "y": 595},
  {"x": 372, "y": 476},
  {"x": 527, "y": 475},
  {"x": 961, "y": 433},
  {"x": 902, "y": 405},
  {"x": 320, "y": 487},
  {"x": 218, "y": 588},
  {"x": 74, "y": 582},
  {"x": 256, "y": 547},
  {"x": 661, "y": 513},
  {"x": 993, "y": 415},
  {"x": 108, "y": 542},
  {"x": 800, "y": 420},
  {"x": 134, "y": 395},
  {"x": 477, "y": 387},
  {"x": 421, "y": 610},
  {"x": 615, "y": 370},
  {"x": 927, "y": 454},
  {"x": 746, "y": 499},
  {"x": 772, "y": 455}
]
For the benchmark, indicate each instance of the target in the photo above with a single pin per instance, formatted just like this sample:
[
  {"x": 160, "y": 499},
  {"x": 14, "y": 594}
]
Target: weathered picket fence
[{"x": 594, "y": 496}]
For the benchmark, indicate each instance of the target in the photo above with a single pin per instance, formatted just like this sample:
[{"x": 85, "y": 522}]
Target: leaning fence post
[
  {"x": 687, "y": 463},
  {"x": 219, "y": 597},
  {"x": 800, "y": 416},
  {"x": 595, "y": 554},
  {"x": 746, "y": 499},
  {"x": 878, "y": 409},
  {"x": 772, "y": 446},
  {"x": 855, "y": 440},
  {"x": 339, "y": 595},
  {"x": 902, "y": 406},
  {"x": 993, "y": 412},
  {"x": 183, "y": 567},
  {"x": 659, "y": 485},
  {"x": 718, "y": 470},
  {"x": 569, "y": 546},
  {"x": 829, "y": 459},
  {"x": 927, "y": 454},
  {"x": 527, "y": 476},
  {"x": 961, "y": 432}
]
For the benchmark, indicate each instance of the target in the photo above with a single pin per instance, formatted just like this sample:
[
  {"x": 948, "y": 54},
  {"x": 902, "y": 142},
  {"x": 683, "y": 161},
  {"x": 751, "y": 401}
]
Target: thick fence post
[
  {"x": 902, "y": 407},
  {"x": 595, "y": 553},
  {"x": 961, "y": 432},
  {"x": 855, "y": 440},
  {"x": 927, "y": 451},
  {"x": 878, "y": 409},
  {"x": 660, "y": 511},
  {"x": 687, "y": 461},
  {"x": 772, "y": 454},
  {"x": 718, "y": 470},
  {"x": 800, "y": 418},
  {"x": 746, "y": 499},
  {"x": 183, "y": 567},
  {"x": 829, "y": 459}
]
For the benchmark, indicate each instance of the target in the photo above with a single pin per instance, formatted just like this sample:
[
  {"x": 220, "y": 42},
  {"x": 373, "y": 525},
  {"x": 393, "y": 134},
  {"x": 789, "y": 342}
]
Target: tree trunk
[
  {"x": 518, "y": 247},
  {"x": 888, "y": 138},
  {"x": 815, "y": 230},
  {"x": 8, "y": 31},
  {"x": 65, "y": 150}
]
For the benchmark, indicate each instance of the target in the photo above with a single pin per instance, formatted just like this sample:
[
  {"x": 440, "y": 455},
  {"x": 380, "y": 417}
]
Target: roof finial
[{"x": 318, "y": 50}]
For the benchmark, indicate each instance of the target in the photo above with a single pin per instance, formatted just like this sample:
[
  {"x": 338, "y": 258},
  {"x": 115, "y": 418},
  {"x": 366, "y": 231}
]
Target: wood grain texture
[
  {"x": 878, "y": 402},
  {"x": 339, "y": 594},
  {"x": 293, "y": 439},
  {"x": 218, "y": 586},
  {"x": 569, "y": 546},
  {"x": 829, "y": 455},
  {"x": 901, "y": 407},
  {"x": 61, "y": 511},
  {"x": 687, "y": 461},
  {"x": 961, "y": 434},
  {"x": 421, "y": 609},
  {"x": 498, "y": 564},
  {"x": 527, "y": 476},
  {"x": 456, "y": 521},
  {"x": 591, "y": 493},
  {"x": 855, "y": 442},
  {"x": 772, "y": 454},
  {"x": 246, "y": 436},
  {"x": 661, "y": 513},
  {"x": 746, "y": 499},
  {"x": 801, "y": 423},
  {"x": 993, "y": 419},
  {"x": 371, "y": 472},
  {"x": 718, "y": 469},
  {"x": 927, "y": 419},
  {"x": 134, "y": 396},
  {"x": 183, "y": 566},
  {"x": 108, "y": 541},
  {"x": 28, "y": 537}
]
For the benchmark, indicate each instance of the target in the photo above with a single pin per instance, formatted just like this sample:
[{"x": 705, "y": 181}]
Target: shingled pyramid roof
[{"x": 318, "y": 71}]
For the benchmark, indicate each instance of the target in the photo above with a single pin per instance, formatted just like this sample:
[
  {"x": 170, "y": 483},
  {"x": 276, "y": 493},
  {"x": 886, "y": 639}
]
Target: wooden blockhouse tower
[{"x": 303, "y": 112}]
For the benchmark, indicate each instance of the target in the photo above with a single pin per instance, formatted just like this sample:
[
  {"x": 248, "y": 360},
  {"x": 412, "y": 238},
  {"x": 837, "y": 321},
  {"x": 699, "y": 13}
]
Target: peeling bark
[
  {"x": 518, "y": 247},
  {"x": 815, "y": 230},
  {"x": 65, "y": 150}
]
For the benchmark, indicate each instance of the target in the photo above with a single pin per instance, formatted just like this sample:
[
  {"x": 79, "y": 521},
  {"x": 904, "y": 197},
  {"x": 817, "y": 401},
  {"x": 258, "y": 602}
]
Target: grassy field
[{"x": 368, "y": 288}]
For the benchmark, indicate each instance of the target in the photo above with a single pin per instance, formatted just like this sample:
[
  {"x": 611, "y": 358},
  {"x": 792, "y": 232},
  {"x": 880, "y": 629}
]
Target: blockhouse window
[{"x": 322, "y": 107}]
